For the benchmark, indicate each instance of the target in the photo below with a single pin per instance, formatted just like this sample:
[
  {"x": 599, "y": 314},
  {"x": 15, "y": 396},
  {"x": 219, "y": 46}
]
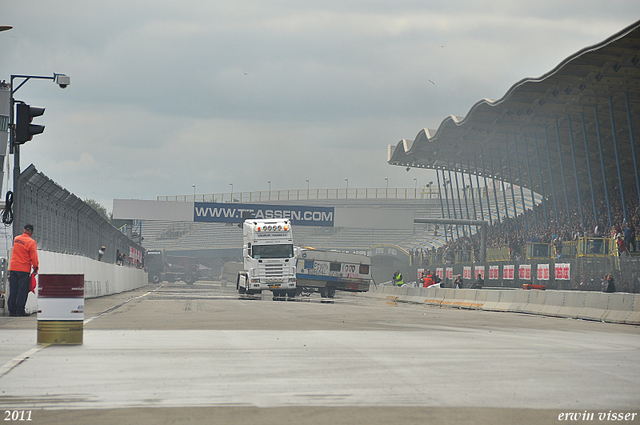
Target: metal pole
[
  {"x": 464, "y": 231},
  {"x": 513, "y": 196},
  {"x": 441, "y": 205},
  {"x": 475, "y": 161},
  {"x": 553, "y": 187},
  {"x": 524, "y": 207},
  {"x": 486, "y": 185},
  {"x": 615, "y": 147},
  {"x": 533, "y": 199},
  {"x": 473, "y": 198},
  {"x": 544, "y": 199},
  {"x": 495, "y": 194},
  {"x": 586, "y": 149},
  {"x": 564, "y": 183},
  {"x": 633, "y": 149},
  {"x": 575, "y": 171},
  {"x": 504, "y": 193},
  {"x": 604, "y": 175},
  {"x": 466, "y": 203}
]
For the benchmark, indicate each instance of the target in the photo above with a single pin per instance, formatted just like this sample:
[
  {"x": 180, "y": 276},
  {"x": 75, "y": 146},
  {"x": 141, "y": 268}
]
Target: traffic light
[{"x": 24, "y": 129}]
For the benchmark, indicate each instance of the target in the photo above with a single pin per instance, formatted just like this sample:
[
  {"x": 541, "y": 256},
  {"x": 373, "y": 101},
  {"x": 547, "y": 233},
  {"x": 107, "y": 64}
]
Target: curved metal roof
[{"x": 531, "y": 131}]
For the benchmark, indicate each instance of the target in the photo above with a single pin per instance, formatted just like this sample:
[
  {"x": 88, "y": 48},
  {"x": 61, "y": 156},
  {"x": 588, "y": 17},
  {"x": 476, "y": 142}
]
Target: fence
[
  {"x": 64, "y": 223},
  {"x": 423, "y": 192}
]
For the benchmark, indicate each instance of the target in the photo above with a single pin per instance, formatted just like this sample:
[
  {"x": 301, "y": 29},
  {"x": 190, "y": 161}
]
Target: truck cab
[{"x": 268, "y": 257}]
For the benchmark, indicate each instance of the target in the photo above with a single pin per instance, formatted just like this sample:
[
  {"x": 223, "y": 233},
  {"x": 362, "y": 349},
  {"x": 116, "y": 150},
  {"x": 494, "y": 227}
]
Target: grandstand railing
[{"x": 350, "y": 193}]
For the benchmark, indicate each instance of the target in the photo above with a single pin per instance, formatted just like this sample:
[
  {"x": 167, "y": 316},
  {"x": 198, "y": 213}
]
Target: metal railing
[{"x": 419, "y": 193}]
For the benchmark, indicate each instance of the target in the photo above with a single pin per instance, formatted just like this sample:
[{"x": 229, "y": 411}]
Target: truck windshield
[{"x": 272, "y": 251}]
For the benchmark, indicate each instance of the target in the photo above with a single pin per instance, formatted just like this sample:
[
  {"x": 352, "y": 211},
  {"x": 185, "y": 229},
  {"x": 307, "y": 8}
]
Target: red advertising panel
[
  {"x": 449, "y": 272},
  {"x": 466, "y": 272},
  {"x": 562, "y": 271},
  {"x": 524, "y": 271},
  {"x": 507, "y": 272},
  {"x": 543, "y": 271},
  {"x": 480, "y": 270},
  {"x": 494, "y": 272},
  {"x": 439, "y": 272}
]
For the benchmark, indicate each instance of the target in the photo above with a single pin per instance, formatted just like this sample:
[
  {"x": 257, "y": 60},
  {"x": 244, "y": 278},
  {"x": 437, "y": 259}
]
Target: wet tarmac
[{"x": 204, "y": 348}]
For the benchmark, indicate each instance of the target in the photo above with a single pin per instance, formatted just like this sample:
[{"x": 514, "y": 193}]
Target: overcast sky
[{"x": 168, "y": 94}]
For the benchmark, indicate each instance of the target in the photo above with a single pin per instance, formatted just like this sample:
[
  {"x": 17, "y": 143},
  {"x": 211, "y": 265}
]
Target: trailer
[{"x": 329, "y": 271}]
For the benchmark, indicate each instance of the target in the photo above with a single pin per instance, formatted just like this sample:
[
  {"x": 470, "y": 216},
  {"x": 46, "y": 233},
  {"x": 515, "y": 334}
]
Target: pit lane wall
[
  {"x": 100, "y": 278},
  {"x": 619, "y": 307}
]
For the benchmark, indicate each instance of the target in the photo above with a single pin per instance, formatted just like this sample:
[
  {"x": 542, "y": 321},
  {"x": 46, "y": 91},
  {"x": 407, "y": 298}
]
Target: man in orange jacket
[{"x": 23, "y": 258}]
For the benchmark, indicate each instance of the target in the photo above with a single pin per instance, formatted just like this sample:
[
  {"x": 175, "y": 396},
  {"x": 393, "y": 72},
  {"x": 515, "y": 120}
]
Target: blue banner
[{"x": 212, "y": 212}]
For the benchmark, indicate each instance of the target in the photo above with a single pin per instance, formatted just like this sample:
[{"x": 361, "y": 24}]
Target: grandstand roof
[{"x": 584, "y": 91}]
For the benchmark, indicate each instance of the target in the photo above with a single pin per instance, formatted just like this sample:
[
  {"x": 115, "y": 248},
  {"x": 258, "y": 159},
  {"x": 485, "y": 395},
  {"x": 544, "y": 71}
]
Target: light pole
[
  {"x": 231, "y": 184},
  {"x": 386, "y": 191},
  {"x": 307, "y": 188},
  {"x": 269, "y": 181},
  {"x": 194, "y": 193},
  {"x": 60, "y": 79}
]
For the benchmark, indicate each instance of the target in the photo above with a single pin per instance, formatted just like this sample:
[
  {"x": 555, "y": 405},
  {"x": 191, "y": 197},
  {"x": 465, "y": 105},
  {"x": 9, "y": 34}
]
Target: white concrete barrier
[
  {"x": 553, "y": 303},
  {"x": 574, "y": 302},
  {"x": 595, "y": 306},
  {"x": 619, "y": 308},
  {"x": 100, "y": 278},
  {"x": 616, "y": 308}
]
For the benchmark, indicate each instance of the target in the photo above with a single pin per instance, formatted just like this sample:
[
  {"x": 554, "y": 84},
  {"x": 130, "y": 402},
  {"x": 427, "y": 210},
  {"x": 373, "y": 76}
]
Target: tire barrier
[{"x": 613, "y": 308}]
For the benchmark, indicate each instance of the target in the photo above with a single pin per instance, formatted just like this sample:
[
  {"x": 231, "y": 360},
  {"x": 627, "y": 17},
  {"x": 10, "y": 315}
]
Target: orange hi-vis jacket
[
  {"x": 428, "y": 280},
  {"x": 24, "y": 255}
]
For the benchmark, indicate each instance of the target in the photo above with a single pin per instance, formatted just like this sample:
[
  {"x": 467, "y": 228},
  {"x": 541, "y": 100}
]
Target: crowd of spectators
[{"x": 545, "y": 225}]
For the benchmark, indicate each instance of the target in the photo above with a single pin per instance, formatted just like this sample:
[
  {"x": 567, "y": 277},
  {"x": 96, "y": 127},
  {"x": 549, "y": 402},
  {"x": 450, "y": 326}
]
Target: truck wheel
[
  {"x": 241, "y": 290},
  {"x": 189, "y": 279},
  {"x": 331, "y": 292},
  {"x": 291, "y": 294},
  {"x": 154, "y": 277},
  {"x": 323, "y": 292}
]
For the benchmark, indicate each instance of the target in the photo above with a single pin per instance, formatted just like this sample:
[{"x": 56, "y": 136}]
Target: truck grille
[{"x": 272, "y": 270}]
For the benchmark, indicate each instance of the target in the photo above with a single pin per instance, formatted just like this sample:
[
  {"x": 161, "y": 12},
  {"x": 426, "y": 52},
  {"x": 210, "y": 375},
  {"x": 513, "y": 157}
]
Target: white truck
[
  {"x": 328, "y": 271},
  {"x": 268, "y": 256}
]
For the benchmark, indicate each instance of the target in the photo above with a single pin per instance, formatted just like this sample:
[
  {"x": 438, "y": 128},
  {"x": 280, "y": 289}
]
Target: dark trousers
[{"x": 19, "y": 283}]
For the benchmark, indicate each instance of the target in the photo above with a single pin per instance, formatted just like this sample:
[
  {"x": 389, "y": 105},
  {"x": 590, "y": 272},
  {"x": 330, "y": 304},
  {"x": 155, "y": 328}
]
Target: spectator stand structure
[{"x": 569, "y": 136}]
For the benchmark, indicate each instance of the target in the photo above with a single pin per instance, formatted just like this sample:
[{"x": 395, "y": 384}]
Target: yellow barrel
[{"x": 60, "y": 331}]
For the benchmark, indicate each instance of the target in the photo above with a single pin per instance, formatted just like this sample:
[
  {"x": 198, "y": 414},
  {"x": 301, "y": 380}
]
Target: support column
[
  {"x": 441, "y": 204},
  {"x": 575, "y": 172},
  {"x": 475, "y": 163},
  {"x": 513, "y": 196},
  {"x": 633, "y": 149},
  {"x": 586, "y": 149},
  {"x": 495, "y": 194},
  {"x": 553, "y": 187},
  {"x": 533, "y": 198},
  {"x": 524, "y": 207},
  {"x": 544, "y": 199},
  {"x": 564, "y": 183},
  {"x": 504, "y": 194},
  {"x": 615, "y": 147},
  {"x": 604, "y": 174}
]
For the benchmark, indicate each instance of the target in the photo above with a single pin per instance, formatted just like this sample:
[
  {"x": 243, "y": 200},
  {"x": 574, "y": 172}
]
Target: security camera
[
  {"x": 408, "y": 168},
  {"x": 62, "y": 80}
]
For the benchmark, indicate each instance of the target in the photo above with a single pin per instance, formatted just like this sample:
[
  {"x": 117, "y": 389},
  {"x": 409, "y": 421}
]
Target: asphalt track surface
[{"x": 178, "y": 354}]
